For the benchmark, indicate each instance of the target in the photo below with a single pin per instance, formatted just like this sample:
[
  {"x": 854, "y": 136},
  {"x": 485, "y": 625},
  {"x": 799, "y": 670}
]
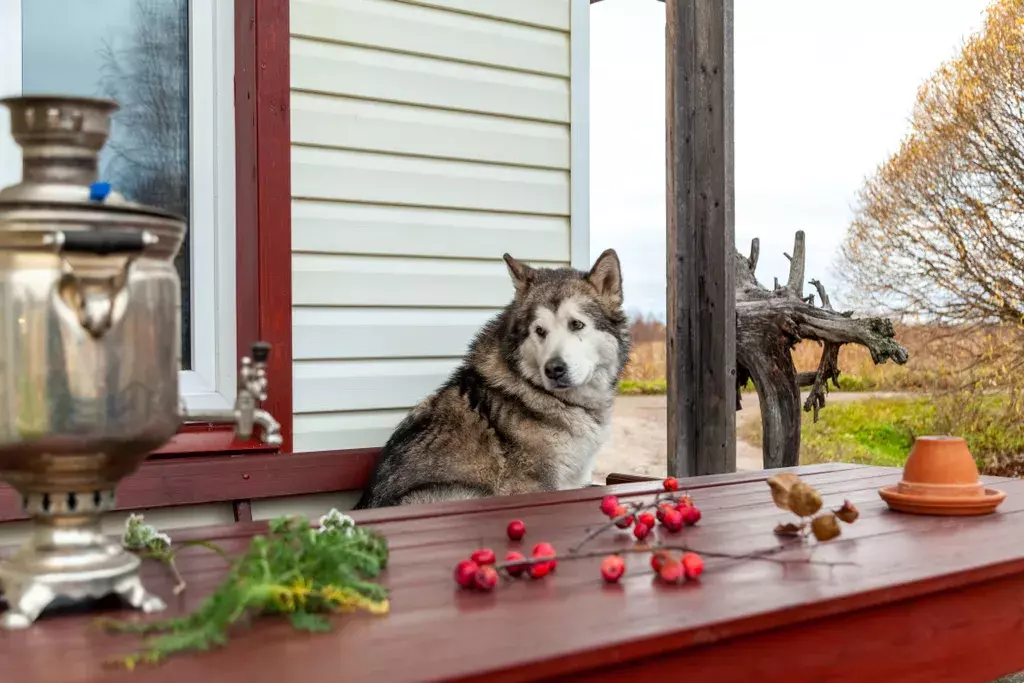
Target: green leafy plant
[{"x": 295, "y": 570}]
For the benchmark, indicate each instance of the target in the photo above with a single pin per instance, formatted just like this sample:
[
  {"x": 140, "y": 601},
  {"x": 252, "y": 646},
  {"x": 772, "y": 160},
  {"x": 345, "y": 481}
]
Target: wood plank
[
  {"x": 738, "y": 618},
  {"x": 378, "y": 230},
  {"x": 549, "y": 13},
  {"x": 331, "y": 386},
  {"x": 346, "y": 333},
  {"x": 407, "y": 79},
  {"x": 701, "y": 244},
  {"x": 327, "y": 280},
  {"x": 343, "y": 430},
  {"x": 419, "y": 30},
  {"x": 193, "y": 481},
  {"x": 339, "y": 175},
  {"x": 346, "y": 123}
]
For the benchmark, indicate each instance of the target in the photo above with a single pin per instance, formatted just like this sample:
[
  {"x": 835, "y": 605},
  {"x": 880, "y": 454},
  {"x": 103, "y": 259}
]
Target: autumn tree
[{"x": 939, "y": 230}]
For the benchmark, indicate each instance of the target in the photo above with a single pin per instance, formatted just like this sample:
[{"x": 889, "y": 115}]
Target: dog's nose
[{"x": 555, "y": 368}]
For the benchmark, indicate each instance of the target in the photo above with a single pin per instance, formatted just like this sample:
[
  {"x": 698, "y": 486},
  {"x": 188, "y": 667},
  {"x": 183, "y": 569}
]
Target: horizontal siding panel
[
  {"x": 332, "y": 386},
  {"x": 339, "y": 431},
  {"x": 319, "y": 280},
  {"x": 378, "y": 75},
  {"x": 348, "y": 333},
  {"x": 337, "y": 227},
  {"x": 343, "y": 175},
  {"x": 329, "y": 121},
  {"x": 426, "y": 31},
  {"x": 550, "y": 13}
]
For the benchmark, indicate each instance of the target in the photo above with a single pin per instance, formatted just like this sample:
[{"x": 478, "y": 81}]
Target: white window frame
[{"x": 211, "y": 383}]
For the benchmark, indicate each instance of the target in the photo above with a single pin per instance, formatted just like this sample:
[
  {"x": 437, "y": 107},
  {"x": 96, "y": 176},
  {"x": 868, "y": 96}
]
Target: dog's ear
[
  {"x": 521, "y": 273},
  {"x": 606, "y": 276}
]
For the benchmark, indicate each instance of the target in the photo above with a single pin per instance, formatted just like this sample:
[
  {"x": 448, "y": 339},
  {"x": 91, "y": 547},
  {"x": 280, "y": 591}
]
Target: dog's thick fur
[{"x": 529, "y": 407}]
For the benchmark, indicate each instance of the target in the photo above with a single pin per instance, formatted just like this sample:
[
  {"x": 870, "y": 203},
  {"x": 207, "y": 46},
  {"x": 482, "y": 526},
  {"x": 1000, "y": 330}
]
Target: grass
[{"x": 881, "y": 431}]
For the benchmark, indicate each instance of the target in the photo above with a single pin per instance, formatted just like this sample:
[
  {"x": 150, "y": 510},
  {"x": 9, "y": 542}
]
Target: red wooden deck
[{"x": 927, "y": 599}]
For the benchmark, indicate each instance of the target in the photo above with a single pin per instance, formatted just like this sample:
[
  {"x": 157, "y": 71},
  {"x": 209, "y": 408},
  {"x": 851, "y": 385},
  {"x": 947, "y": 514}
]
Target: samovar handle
[{"x": 94, "y": 299}]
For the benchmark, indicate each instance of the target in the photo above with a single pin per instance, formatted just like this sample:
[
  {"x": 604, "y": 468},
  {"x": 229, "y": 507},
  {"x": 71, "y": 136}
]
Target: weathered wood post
[{"x": 701, "y": 242}]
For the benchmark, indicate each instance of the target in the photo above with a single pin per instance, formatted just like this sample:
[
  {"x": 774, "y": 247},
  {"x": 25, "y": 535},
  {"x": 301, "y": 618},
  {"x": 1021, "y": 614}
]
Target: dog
[{"x": 530, "y": 405}]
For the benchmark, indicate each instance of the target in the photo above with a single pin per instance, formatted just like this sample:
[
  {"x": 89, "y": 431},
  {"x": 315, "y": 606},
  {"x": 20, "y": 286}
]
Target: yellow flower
[
  {"x": 348, "y": 600},
  {"x": 301, "y": 589}
]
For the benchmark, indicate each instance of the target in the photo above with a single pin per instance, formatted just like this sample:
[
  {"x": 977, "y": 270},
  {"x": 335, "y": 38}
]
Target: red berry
[
  {"x": 626, "y": 521},
  {"x": 641, "y": 530},
  {"x": 646, "y": 519},
  {"x": 486, "y": 578},
  {"x": 541, "y": 569},
  {"x": 465, "y": 572},
  {"x": 612, "y": 568},
  {"x": 659, "y": 558},
  {"x": 515, "y": 569},
  {"x": 671, "y": 484},
  {"x": 545, "y": 549},
  {"x": 608, "y": 504},
  {"x": 671, "y": 571},
  {"x": 673, "y": 520},
  {"x": 684, "y": 500},
  {"x": 516, "y": 530},
  {"x": 662, "y": 509},
  {"x": 483, "y": 556},
  {"x": 693, "y": 565},
  {"x": 691, "y": 515}
]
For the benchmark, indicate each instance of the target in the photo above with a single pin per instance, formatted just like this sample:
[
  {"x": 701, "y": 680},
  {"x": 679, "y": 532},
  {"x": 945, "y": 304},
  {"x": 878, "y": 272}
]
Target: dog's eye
[
  {"x": 541, "y": 332},
  {"x": 576, "y": 325}
]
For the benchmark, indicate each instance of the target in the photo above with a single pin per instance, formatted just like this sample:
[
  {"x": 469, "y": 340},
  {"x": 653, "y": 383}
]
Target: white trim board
[
  {"x": 211, "y": 384},
  {"x": 579, "y": 122}
]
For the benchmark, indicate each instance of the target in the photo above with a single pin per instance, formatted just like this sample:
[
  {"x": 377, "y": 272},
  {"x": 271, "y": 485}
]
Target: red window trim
[{"x": 263, "y": 272}]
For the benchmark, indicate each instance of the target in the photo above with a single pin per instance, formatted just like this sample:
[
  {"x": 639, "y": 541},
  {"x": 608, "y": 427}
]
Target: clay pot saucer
[{"x": 941, "y": 478}]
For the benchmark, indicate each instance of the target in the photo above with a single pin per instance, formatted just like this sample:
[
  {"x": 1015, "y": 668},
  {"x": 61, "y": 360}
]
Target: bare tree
[
  {"x": 939, "y": 231},
  {"x": 769, "y": 323}
]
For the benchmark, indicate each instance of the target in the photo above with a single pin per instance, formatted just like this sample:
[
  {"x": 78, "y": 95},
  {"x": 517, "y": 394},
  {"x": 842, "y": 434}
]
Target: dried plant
[{"x": 792, "y": 494}]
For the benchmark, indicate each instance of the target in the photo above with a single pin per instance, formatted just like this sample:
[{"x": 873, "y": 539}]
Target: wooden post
[{"x": 701, "y": 242}]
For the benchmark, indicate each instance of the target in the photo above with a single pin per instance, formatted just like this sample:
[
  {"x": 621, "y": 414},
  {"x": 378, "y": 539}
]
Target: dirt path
[{"x": 637, "y": 444}]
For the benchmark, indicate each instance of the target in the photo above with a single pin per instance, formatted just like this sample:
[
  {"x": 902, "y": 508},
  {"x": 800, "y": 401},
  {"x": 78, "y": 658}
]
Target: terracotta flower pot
[
  {"x": 941, "y": 478},
  {"x": 941, "y": 466}
]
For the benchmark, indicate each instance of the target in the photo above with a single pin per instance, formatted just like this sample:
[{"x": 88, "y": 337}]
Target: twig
[
  {"x": 634, "y": 509},
  {"x": 763, "y": 556}
]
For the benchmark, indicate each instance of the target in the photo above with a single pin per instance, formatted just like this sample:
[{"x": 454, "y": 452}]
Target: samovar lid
[{"x": 61, "y": 138}]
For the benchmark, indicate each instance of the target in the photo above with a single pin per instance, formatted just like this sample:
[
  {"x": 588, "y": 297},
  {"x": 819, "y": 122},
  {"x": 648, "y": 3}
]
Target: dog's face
[{"x": 569, "y": 329}]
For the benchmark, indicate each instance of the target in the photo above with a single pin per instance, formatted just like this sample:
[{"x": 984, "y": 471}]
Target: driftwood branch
[{"x": 770, "y": 323}]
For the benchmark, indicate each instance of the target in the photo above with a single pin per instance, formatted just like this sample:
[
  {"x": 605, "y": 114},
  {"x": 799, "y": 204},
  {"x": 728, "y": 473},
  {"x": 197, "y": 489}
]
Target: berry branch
[{"x": 482, "y": 571}]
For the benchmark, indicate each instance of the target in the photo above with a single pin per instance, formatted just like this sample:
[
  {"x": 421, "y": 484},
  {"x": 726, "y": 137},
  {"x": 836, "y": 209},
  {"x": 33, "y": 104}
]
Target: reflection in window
[{"x": 137, "y": 53}]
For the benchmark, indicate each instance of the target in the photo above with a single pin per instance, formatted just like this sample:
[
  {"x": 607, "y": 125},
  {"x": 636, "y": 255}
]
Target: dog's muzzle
[{"x": 557, "y": 373}]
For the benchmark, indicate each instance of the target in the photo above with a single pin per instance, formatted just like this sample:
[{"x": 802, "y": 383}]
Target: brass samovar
[{"x": 89, "y": 356}]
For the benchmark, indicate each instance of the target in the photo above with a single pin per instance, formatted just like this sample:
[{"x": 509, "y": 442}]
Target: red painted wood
[
  {"x": 928, "y": 599},
  {"x": 263, "y": 195},
  {"x": 211, "y": 479},
  {"x": 195, "y": 439},
  {"x": 273, "y": 197}
]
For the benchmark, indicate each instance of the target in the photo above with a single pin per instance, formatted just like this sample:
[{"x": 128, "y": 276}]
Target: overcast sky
[{"x": 824, "y": 90}]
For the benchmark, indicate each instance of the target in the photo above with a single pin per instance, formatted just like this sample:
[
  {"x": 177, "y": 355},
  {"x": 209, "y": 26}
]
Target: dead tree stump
[{"x": 769, "y": 323}]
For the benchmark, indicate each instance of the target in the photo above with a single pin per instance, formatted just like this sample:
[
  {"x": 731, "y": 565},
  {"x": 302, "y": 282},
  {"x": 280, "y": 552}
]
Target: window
[{"x": 170, "y": 66}]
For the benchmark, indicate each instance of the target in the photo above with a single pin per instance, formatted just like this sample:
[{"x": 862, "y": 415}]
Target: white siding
[{"x": 428, "y": 138}]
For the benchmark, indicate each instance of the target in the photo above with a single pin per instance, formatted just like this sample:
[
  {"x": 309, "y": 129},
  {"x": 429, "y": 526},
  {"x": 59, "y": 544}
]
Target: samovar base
[{"x": 68, "y": 560}]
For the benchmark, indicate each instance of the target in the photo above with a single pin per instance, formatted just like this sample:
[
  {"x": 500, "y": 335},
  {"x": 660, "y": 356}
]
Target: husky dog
[{"x": 530, "y": 405}]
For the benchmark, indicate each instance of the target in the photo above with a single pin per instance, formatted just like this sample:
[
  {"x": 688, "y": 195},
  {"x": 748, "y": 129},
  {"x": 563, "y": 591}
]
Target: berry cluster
[{"x": 480, "y": 572}]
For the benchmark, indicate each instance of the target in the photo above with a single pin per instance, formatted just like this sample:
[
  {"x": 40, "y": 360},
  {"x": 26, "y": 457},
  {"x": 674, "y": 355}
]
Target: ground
[{"x": 639, "y": 428}]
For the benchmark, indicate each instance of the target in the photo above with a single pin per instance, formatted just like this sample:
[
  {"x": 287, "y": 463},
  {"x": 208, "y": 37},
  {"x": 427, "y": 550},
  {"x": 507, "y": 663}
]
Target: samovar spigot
[{"x": 252, "y": 388}]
